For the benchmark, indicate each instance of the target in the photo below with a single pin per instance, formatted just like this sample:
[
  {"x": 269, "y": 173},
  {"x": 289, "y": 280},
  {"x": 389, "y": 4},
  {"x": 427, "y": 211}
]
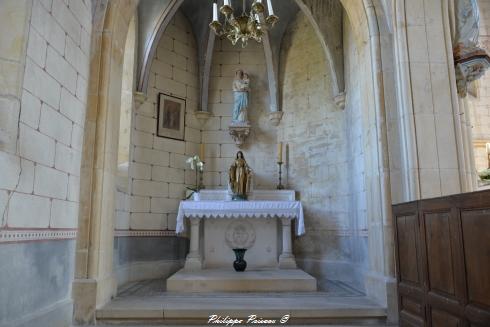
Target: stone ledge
[{"x": 227, "y": 280}]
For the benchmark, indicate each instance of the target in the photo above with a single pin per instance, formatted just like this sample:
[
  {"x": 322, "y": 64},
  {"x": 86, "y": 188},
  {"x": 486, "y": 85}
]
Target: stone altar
[
  {"x": 258, "y": 217},
  {"x": 262, "y": 225}
]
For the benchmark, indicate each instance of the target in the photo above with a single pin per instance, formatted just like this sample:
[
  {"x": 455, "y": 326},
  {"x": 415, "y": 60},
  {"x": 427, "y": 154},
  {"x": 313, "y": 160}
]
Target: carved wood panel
[
  {"x": 443, "y": 261},
  {"x": 439, "y": 256}
]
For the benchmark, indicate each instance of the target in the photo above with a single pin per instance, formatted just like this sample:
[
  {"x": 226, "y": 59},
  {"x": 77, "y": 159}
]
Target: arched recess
[
  {"x": 337, "y": 73},
  {"x": 94, "y": 283},
  {"x": 159, "y": 14},
  {"x": 156, "y": 26}
]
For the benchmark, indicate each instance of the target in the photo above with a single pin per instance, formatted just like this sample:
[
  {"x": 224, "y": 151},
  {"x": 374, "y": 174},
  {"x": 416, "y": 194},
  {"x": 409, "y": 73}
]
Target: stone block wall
[
  {"x": 326, "y": 157},
  {"x": 44, "y": 65},
  {"x": 157, "y": 170},
  {"x": 260, "y": 147},
  {"x": 146, "y": 211}
]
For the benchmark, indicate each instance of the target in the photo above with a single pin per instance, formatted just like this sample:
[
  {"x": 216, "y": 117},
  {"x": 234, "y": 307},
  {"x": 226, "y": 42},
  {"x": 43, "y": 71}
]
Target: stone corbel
[
  {"x": 202, "y": 116},
  {"x": 340, "y": 100},
  {"x": 139, "y": 98},
  {"x": 275, "y": 117},
  {"x": 470, "y": 65},
  {"x": 239, "y": 133}
]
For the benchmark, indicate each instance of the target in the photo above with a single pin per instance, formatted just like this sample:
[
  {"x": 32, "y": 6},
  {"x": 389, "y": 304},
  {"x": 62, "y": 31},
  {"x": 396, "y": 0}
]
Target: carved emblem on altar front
[{"x": 240, "y": 234}]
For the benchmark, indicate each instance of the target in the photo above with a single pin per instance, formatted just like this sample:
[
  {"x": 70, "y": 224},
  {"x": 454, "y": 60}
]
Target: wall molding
[
  {"x": 143, "y": 233},
  {"x": 18, "y": 235}
]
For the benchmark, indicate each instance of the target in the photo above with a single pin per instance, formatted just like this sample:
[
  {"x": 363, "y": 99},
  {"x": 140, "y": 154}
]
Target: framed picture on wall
[{"x": 171, "y": 117}]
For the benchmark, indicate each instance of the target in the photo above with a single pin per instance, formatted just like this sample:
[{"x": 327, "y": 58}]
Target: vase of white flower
[{"x": 197, "y": 165}]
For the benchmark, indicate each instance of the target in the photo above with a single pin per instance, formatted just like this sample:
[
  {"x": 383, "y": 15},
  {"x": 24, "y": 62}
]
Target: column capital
[
  {"x": 340, "y": 100},
  {"x": 275, "y": 117},
  {"x": 139, "y": 98}
]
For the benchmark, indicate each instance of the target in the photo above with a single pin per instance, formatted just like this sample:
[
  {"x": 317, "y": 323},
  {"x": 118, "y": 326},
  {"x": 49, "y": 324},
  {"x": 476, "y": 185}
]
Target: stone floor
[{"x": 147, "y": 303}]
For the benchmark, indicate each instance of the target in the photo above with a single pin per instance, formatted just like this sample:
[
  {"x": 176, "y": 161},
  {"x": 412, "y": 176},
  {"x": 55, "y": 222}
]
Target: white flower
[
  {"x": 195, "y": 162},
  {"x": 200, "y": 165}
]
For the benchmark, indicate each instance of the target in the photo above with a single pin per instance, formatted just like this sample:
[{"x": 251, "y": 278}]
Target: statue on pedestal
[
  {"x": 240, "y": 178},
  {"x": 240, "y": 127}
]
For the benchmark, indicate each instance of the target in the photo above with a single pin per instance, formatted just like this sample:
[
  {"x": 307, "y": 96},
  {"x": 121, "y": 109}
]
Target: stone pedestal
[
  {"x": 286, "y": 259},
  {"x": 239, "y": 132},
  {"x": 193, "y": 260}
]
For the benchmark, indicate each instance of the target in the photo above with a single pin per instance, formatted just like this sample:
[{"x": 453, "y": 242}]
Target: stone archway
[{"x": 94, "y": 283}]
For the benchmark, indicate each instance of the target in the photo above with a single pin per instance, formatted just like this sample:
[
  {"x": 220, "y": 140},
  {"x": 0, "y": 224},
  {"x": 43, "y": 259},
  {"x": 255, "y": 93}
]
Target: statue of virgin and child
[{"x": 241, "y": 89}]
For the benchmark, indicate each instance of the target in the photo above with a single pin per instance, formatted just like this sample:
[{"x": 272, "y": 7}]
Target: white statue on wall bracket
[{"x": 240, "y": 126}]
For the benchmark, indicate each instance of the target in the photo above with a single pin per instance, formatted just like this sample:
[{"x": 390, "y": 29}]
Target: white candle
[
  {"x": 227, "y": 2},
  {"x": 488, "y": 148},
  {"x": 269, "y": 6},
  {"x": 215, "y": 12},
  {"x": 279, "y": 152}
]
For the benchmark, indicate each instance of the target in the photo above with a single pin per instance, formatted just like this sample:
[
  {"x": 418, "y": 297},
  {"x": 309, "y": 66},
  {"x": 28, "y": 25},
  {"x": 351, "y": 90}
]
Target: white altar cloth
[{"x": 241, "y": 209}]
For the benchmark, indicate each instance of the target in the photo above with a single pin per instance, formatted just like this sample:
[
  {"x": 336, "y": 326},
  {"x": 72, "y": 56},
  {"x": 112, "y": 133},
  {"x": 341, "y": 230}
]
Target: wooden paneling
[
  {"x": 407, "y": 228},
  {"x": 443, "y": 261},
  {"x": 442, "y": 319},
  {"x": 476, "y": 244},
  {"x": 439, "y": 256}
]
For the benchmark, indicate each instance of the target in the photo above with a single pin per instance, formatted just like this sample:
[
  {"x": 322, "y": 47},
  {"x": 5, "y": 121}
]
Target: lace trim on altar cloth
[{"x": 241, "y": 209}]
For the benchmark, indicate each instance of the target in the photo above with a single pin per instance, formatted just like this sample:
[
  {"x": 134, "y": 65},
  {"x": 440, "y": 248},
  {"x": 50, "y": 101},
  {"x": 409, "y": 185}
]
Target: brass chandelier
[{"x": 246, "y": 26}]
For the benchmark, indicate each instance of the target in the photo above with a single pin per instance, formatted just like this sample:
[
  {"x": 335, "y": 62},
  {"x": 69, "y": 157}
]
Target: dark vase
[{"x": 239, "y": 264}]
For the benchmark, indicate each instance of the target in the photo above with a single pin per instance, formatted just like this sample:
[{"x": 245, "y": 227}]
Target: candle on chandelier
[
  {"x": 269, "y": 7},
  {"x": 202, "y": 152},
  {"x": 227, "y": 2},
  {"x": 215, "y": 12},
  {"x": 279, "y": 152}
]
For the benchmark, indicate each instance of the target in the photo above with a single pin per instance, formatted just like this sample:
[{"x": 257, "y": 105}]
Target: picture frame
[{"x": 171, "y": 117}]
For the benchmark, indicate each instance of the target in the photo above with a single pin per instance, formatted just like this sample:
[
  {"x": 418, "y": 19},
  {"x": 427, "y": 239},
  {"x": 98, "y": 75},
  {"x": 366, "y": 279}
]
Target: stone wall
[
  {"x": 158, "y": 171},
  {"x": 260, "y": 147},
  {"x": 158, "y": 174},
  {"x": 44, "y": 70},
  {"x": 324, "y": 142}
]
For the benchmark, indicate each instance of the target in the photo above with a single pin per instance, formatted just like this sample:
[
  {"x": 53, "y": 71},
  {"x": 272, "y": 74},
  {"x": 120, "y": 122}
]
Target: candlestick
[
  {"x": 287, "y": 165},
  {"x": 287, "y": 155},
  {"x": 279, "y": 152},
  {"x": 280, "y": 186}
]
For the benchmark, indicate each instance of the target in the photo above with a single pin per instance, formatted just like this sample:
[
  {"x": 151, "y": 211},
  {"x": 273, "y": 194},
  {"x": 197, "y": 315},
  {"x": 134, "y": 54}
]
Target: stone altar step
[
  {"x": 186, "y": 308},
  {"x": 228, "y": 280}
]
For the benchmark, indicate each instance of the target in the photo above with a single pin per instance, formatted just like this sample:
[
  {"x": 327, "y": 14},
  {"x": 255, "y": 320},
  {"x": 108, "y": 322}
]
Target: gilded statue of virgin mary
[{"x": 240, "y": 176}]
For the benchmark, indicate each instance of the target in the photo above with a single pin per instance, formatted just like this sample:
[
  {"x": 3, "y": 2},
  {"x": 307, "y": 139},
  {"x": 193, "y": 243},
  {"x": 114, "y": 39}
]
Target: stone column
[
  {"x": 194, "y": 260},
  {"x": 286, "y": 259}
]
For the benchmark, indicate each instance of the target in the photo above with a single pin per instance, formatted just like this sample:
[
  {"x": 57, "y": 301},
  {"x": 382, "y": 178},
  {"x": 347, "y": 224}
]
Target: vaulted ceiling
[{"x": 325, "y": 16}]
